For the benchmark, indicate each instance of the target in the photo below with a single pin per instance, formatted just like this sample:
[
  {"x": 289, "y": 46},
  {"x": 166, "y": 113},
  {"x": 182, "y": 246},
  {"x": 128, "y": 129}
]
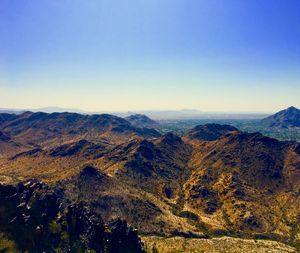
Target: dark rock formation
[{"x": 37, "y": 219}]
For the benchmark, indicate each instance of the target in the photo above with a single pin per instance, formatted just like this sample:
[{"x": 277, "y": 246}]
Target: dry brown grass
[{"x": 214, "y": 245}]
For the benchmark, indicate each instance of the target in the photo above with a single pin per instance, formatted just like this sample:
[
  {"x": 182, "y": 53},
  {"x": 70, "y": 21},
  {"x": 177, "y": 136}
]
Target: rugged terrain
[
  {"x": 212, "y": 181},
  {"x": 35, "y": 218}
]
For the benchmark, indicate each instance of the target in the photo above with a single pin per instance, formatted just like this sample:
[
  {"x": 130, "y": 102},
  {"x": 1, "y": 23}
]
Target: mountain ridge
[
  {"x": 213, "y": 180},
  {"x": 288, "y": 118},
  {"x": 42, "y": 128}
]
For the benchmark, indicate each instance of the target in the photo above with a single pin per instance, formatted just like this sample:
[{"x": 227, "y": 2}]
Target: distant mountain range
[
  {"x": 49, "y": 109},
  {"x": 184, "y": 114}
]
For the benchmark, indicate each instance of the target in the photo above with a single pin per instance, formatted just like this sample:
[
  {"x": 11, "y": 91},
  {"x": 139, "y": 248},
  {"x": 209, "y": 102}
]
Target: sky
[{"x": 119, "y": 55}]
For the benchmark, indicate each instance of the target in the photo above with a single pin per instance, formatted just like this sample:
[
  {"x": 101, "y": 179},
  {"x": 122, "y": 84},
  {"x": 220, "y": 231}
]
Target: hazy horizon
[
  {"x": 128, "y": 55},
  {"x": 183, "y": 110}
]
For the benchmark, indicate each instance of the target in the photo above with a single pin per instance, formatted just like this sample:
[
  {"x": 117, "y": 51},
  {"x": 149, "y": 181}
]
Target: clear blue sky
[{"x": 212, "y": 55}]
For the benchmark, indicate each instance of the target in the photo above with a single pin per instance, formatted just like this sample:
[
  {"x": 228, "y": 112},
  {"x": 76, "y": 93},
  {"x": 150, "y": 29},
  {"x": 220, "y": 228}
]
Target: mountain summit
[
  {"x": 141, "y": 120},
  {"x": 209, "y": 132},
  {"x": 287, "y": 118}
]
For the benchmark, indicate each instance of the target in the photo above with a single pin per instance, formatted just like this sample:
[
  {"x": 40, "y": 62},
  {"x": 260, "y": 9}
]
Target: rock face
[
  {"x": 288, "y": 118},
  {"x": 35, "y": 219},
  {"x": 141, "y": 120},
  {"x": 209, "y": 132}
]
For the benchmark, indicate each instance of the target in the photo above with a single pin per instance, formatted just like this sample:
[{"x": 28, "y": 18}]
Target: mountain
[
  {"x": 156, "y": 166},
  {"x": 141, "y": 120},
  {"x": 240, "y": 179},
  {"x": 43, "y": 129},
  {"x": 288, "y": 118},
  {"x": 214, "y": 180},
  {"x": 209, "y": 132}
]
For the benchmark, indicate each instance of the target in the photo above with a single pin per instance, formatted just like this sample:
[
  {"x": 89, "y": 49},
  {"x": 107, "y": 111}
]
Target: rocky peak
[
  {"x": 171, "y": 139},
  {"x": 287, "y": 118},
  {"x": 209, "y": 132},
  {"x": 141, "y": 120}
]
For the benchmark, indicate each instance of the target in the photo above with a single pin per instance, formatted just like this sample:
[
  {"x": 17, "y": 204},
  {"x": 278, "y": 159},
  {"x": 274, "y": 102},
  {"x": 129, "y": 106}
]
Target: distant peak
[
  {"x": 209, "y": 132},
  {"x": 292, "y": 108},
  {"x": 138, "y": 116},
  {"x": 288, "y": 118},
  {"x": 142, "y": 120},
  {"x": 27, "y": 113}
]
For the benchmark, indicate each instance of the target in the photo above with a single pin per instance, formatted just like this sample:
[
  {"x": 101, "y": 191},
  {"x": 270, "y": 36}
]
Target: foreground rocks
[{"x": 35, "y": 218}]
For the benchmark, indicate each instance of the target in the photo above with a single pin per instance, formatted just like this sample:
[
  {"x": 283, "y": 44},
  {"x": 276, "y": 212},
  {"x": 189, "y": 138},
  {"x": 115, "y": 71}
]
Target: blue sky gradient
[{"x": 211, "y": 55}]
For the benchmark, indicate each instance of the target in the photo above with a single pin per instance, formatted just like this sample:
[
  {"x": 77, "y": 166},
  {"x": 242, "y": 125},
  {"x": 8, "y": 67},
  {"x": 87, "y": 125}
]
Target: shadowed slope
[
  {"x": 287, "y": 118},
  {"x": 208, "y": 132}
]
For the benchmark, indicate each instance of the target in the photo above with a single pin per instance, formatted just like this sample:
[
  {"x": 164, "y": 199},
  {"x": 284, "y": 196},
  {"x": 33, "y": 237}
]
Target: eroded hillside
[{"x": 214, "y": 180}]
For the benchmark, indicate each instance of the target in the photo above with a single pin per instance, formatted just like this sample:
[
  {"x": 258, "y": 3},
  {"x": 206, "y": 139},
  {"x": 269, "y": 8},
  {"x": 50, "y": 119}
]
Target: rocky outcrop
[{"x": 37, "y": 219}]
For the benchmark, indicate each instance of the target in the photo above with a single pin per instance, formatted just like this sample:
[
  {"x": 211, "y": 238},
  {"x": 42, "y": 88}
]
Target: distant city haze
[{"x": 131, "y": 55}]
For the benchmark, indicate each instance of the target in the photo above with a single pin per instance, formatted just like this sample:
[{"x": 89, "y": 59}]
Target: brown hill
[
  {"x": 246, "y": 183},
  {"x": 288, "y": 118},
  {"x": 158, "y": 166},
  {"x": 43, "y": 129},
  {"x": 208, "y": 132}
]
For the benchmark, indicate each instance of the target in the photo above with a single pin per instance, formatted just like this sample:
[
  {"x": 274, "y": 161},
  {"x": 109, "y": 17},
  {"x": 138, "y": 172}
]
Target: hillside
[
  {"x": 8, "y": 146},
  {"x": 208, "y": 132},
  {"x": 141, "y": 120},
  {"x": 240, "y": 179},
  {"x": 35, "y": 218},
  {"x": 288, "y": 118},
  {"x": 48, "y": 130},
  {"x": 215, "y": 180}
]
